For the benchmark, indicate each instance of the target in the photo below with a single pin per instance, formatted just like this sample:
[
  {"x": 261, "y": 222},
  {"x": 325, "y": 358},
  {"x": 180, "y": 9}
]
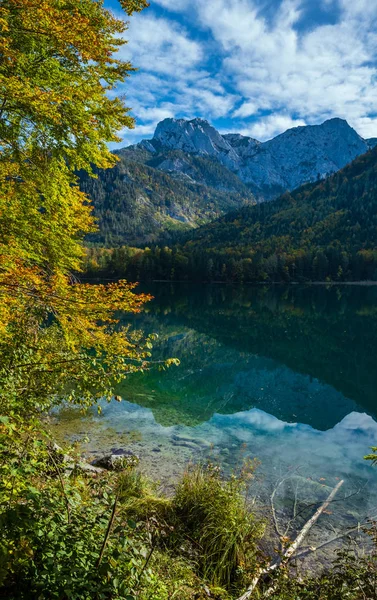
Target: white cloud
[
  {"x": 365, "y": 9},
  {"x": 271, "y": 126},
  {"x": 140, "y": 130},
  {"x": 160, "y": 45},
  {"x": 173, "y": 5},
  {"x": 247, "y": 109},
  {"x": 261, "y": 65},
  {"x": 366, "y": 126},
  {"x": 326, "y": 71}
]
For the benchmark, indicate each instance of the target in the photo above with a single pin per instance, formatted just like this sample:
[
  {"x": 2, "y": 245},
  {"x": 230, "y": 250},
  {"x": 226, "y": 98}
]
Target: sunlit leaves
[{"x": 57, "y": 63}]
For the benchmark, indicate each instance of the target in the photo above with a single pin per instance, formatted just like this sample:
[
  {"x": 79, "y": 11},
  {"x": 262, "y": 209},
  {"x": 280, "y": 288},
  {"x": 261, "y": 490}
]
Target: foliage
[
  {"x": 207, "y": 522},
  {"x": 54, "y": 524},
  {"x": 352, "y": 577},
  {"x": 372, "y": 456},
  {"x": 58, "y": 337},
  {"x": 78, "y": 356},
  {"x": 57, "y": 65},
  {"x": 65, "y": 534}
]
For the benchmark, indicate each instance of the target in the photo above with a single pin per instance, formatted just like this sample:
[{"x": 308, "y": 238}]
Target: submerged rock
[{"x": 122, "y": 452}]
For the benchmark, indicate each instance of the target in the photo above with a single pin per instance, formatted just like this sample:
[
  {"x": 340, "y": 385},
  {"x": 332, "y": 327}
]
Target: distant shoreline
[
  {"x": 361, "y": 283},
  {"x": 366, "y": 283}
]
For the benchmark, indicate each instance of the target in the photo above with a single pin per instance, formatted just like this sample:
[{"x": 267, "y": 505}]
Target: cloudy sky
[{"x": 256, "y": 67}]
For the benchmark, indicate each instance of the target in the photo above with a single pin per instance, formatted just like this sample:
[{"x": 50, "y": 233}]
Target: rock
[
  {"x": 303, "y": 154},
  {"x": 122, "y": 452},
  {"x": 181, "y": 438},
  {"x": 197, "y": 137},
  {"x": 185, "y": 445},
  {"x": 87, "y": 467},
  {"x": 116, "y": 462},
  {"x": 70, "y": 464}
]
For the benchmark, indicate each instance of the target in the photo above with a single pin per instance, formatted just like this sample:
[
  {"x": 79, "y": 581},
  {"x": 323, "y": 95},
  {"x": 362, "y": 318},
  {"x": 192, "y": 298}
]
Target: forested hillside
[
  {"x": 326, "y": 230},
  {"x": 136, "y": 203}
]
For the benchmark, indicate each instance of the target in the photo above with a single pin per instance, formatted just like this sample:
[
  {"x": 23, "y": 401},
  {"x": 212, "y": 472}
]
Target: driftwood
[
  {"x": 359, "y": 527},
  {"x": 293, "y": 547}
]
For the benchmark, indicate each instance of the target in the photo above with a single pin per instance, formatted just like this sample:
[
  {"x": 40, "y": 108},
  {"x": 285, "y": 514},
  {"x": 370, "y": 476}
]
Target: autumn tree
[{"x": 58, "y": 63}]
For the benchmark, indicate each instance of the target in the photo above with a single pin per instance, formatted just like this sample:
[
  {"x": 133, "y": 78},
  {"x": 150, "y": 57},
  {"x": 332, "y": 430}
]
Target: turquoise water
[{"x": 284, "y": 374}]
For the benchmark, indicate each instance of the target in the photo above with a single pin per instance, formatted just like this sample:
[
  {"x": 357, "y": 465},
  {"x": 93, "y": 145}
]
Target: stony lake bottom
[{"x": 283, "y": 374}]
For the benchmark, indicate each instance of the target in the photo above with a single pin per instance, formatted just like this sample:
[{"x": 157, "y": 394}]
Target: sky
[{"x": 256, "y": 67}]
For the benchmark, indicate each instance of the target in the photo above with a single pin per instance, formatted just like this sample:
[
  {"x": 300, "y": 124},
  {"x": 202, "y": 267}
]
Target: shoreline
[
  {"x": 267, "y": 283},
  {"x": 363, "y": 283}
]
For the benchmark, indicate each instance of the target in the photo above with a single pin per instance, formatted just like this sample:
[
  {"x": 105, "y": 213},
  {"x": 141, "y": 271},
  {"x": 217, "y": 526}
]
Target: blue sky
[{"x": 257, "y": 67}]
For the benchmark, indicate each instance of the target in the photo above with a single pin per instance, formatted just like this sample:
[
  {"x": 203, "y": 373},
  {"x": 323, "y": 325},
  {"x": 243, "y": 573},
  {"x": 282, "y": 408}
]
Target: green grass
[{"x": 214, "y": 515}]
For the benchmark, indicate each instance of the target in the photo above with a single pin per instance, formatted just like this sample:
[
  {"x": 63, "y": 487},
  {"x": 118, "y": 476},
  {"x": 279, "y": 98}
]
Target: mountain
[
  {"x": 321, "y": 231},
  {"x": 188, "y": 175},
  {"x": 137, "y": 203},
  {"x": 300, "y": 155},
  {"x": 195, "y": 137}
]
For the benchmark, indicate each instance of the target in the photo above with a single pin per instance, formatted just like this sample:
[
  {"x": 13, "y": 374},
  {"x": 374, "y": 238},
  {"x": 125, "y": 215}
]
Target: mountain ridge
[
  {"x": 137, "y": 204},
  {"x": 299, "y": 155},
  {"x": 189, "y": 174}
]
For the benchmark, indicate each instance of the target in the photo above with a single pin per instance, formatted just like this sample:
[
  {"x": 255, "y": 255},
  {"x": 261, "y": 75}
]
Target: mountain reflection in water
[
  {"x": 305, "y": 355},
  {"x": 285, "y": 374}
]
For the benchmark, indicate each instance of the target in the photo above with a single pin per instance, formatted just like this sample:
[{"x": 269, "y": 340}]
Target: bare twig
[
  {"x": 332, "y": 540},
  {"x": 108, "y": 531},
  {"x": 67, "y": 503},
  {"x": 273, "y": 510}
]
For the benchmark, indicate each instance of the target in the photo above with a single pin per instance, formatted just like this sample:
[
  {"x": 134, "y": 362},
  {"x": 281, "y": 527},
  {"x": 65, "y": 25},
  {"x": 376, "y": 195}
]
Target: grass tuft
[{"x": 214, "y": 516}]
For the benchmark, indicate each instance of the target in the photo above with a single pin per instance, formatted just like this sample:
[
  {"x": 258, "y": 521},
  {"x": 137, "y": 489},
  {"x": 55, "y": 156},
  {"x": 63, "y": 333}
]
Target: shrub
[{"x": 61, "y": 534}]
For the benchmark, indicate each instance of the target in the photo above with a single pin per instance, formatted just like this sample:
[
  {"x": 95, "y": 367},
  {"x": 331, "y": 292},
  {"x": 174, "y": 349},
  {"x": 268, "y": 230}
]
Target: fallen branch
[
  {"x": 358, "y": 528},
  {"x": 293, "y": 547},
  {"x": 273, "y": 510}
]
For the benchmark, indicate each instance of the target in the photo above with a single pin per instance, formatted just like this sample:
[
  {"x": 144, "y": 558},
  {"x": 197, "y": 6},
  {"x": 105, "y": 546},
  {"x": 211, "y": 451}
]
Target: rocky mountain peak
[
  {"x": 196, "y": 136},
  {"x": 303, "y": 154},
  {"x": 299, "y": 155}
]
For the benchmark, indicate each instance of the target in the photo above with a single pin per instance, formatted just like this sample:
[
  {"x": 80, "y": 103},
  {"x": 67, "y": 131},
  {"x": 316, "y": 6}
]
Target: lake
[{"x": 284, "y": 374}]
